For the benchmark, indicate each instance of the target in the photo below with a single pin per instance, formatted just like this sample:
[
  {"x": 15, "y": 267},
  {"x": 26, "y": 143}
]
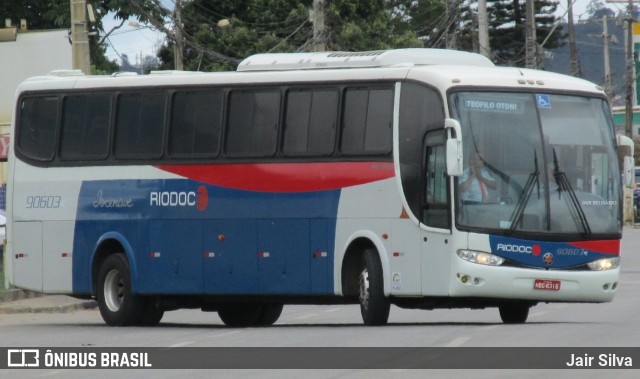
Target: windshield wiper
[
  {"x": 563, "y": 185},
  {"x": 534, "y": 178}
]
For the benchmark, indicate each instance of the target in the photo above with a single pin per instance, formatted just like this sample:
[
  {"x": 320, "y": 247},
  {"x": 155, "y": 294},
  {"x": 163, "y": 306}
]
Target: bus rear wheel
[
  {"x": 269, "y": 314},
  {"x": 118, "y": 305},
  {"x": 151, "y": 315},
  {"x": 374, "y": 306},
  {"x": 240, "y": 315},
  {"x": 514, "y": 313}
]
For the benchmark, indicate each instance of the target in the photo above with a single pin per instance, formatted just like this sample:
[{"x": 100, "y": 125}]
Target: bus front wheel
[
  {"x": 514, "y": 313},
  {"x": 118, "y": 305},
  {"x": 374, "y": 306}
]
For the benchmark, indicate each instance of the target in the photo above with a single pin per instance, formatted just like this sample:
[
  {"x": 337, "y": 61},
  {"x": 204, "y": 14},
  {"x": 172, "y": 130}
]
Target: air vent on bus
[{"x": 378, "y": 58}]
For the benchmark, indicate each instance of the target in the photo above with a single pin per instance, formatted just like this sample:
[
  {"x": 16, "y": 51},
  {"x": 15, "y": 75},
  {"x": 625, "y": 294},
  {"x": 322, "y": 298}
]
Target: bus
[{"x": 316, "y": 178}]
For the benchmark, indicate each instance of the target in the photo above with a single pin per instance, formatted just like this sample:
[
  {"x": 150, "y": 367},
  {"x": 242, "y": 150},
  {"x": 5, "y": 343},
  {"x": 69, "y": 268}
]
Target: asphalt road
[{"x": 615, "y": 324}]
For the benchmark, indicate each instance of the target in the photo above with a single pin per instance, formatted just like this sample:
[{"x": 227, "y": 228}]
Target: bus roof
[
  {"x": 387, "y": 66},
  {"x": 378, "y": 58}
]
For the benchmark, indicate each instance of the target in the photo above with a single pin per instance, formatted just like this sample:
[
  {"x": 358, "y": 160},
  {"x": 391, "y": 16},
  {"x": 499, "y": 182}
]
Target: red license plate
[{"x": 546, "y": 285}]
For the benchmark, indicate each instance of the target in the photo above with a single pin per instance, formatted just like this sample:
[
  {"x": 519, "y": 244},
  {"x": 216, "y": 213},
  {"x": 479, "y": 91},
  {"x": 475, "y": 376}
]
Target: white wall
[{"x": 33, "y": 53}]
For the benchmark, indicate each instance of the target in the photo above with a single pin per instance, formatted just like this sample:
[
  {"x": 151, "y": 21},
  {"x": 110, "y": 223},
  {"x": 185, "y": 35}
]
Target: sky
[{"x": 144, "y": 40}]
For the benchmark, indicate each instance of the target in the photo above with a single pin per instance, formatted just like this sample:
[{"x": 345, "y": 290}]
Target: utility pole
[
  {"x": 318, "y": 26},
  {"x": 80, "y": 37},
  {"x": 451, "y": 16},
  {"x": 530, "y": 39},
  {"x": 179, "y": 46},
  {"x": 607, "y": 64},
  {"x": 483, "y": 29},
  {"x": 628, "y": 114},
  {"x": 574, "y": 64}
]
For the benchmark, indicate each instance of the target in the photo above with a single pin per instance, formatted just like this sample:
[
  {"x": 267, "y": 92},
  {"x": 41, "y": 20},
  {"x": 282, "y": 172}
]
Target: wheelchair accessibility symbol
[{"x": 543, "y": 101}]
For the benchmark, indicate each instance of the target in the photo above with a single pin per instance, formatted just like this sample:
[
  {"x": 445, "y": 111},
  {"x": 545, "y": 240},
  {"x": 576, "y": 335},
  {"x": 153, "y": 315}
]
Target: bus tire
[
  {"x": 239, "y": 315},
  {"x": 269, "y": 314},
  {"x": 151, "y": 315},
  {"x": 514, "y": 313},
  {"x": 118, "y": 305},
  {"x": 374, "y": 306}
]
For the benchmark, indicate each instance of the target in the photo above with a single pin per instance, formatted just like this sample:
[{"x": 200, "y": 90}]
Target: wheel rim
[
  {"x": 364, "y": 289},
  {"x": 113, "y": 290}
]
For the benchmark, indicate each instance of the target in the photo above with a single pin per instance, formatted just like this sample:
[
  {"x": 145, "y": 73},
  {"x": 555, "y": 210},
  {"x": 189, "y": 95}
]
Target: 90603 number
[{"x": 43, "y": 202}]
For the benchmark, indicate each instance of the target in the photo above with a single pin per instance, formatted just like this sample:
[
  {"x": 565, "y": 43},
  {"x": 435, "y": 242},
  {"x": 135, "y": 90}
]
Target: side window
[
  {"x": 85, "y": 127},
  {"x": 310, "y": 123},
  {"x": 140, "y": 125},
  {"x": 196, "y": 120},
  {"x": 367, "y": 121},
  {"x": 252, "y": 126},
  {"x": 435, "y": 209},
  {"x": 37, "y": 128}
]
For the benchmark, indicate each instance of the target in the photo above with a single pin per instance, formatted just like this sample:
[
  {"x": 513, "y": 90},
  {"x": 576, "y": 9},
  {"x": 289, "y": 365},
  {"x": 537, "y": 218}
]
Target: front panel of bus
[{"x": 539, "y": 197}]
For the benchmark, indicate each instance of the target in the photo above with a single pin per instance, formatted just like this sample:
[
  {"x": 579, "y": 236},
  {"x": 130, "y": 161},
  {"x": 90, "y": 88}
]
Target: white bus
[{"x": 316, "y": 178}]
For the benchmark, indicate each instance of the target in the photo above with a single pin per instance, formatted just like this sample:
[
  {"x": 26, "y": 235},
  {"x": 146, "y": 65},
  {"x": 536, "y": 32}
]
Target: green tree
[
  {"x": 258, "y": 26},
  {"x": 507, "y": 28}
]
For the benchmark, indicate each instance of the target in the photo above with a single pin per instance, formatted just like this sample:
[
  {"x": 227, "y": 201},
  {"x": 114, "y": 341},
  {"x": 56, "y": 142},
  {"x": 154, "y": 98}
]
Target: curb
[
  {"x": 14, "y": 294},
  {"x": 84, "y": 304}
]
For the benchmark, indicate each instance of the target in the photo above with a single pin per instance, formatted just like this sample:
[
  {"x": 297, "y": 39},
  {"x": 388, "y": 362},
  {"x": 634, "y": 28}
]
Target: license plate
[{"x": 546, "y": 285}]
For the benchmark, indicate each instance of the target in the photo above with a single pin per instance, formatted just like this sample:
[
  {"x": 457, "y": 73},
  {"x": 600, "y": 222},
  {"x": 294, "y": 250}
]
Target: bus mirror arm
[{"x": 454, "y": 148}]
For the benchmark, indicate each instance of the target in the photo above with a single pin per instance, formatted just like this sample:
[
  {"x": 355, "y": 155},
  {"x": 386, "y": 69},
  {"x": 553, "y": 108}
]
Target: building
[{"x": 24, "y": 54}]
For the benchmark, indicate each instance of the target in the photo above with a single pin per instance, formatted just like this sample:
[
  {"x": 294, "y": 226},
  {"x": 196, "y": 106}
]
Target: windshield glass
[{"x": 539, "y": 163}]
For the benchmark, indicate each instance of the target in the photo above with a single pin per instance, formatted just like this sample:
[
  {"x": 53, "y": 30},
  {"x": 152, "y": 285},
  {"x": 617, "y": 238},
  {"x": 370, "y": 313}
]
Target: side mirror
[
  {"x": 625, "y": 158},
  {"x": 454, "y": 148}
]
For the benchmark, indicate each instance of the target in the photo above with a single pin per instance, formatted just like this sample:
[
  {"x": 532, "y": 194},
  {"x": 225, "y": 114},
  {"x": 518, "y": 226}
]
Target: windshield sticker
[
  {"x": 492, "y": 105},
  {"x": 543, "y": 101}
]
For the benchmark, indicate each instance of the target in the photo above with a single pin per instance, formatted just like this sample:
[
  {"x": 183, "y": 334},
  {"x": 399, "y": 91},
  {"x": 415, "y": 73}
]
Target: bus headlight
[
  {"x": 604, "y": 264},
  {"x": 480, "y": 257}
]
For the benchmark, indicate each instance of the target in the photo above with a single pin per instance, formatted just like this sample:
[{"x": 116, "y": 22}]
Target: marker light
[
  {"x": 480, "y": 257},
  {"x": 604, "y": 264}
]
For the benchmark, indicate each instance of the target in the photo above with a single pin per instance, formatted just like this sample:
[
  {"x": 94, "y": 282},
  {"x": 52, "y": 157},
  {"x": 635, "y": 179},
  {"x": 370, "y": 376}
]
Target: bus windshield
[{"x": 537, "y": 163}]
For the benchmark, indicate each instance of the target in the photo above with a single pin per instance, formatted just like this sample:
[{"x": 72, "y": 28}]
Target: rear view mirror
[
  {"x": 454, "y": 148},
  {"x": 625, "y": 158}
]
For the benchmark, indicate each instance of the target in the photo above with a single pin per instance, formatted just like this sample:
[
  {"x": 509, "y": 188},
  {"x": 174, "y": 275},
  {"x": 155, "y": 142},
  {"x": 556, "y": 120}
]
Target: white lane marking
[
  {"x": 306, "y": 316},
  {"x": 332, "y": 310},
  {"x": 182, "y": 344},
  {"x": 458, "y": 342}
]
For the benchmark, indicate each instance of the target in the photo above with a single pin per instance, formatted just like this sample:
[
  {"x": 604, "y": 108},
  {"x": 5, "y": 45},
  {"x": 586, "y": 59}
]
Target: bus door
[{"x": 436, "y": 235}]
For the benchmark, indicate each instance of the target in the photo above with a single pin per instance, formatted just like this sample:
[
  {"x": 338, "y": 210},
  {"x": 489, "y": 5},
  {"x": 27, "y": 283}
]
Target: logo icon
[
  {"x": 202, "y": 198},
  {"x": 547, "y": 259},
  {"x": 23, "y": 358},
  {"x": 536, "y": 250}
]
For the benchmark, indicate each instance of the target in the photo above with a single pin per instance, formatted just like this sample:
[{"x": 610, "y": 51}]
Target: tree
[
  {"x": 371, "y": 25},
  {"x": 55, "y": 14},
  {"x": 258, "y": 26},
  {"x": 507, "y": 20}
]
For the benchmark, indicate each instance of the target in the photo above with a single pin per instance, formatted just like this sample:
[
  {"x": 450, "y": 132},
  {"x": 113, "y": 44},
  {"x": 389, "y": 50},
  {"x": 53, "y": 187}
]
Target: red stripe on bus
[
  {"x": 600, "y": 246},
  {"x": 285, "y": 177}
]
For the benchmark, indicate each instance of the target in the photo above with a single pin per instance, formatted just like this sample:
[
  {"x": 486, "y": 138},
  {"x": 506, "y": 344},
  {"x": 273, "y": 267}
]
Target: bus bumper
[{"x": 475, "y": 280}]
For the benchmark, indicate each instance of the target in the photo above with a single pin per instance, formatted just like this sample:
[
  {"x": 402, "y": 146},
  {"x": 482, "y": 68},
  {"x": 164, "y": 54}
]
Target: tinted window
[
  {"x": 367, "y": 121},
  {"x": 85, "y": 127},
  {"x": 37, "y": 130},
  {"x": 140, "y": 125},
  {"x": 436, "y": 204},
  {"x": 196, "y": 118},
  {"x": 310, "y": 122},
  {"x": 252, "y": 129}
]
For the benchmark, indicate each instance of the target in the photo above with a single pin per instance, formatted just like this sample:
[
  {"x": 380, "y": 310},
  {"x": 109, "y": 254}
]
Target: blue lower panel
[
  {"x": 230, "y": 257},
  {"x": 173, "y": 264},
  {"x": 227, "y": 242},
  {"x": 284, "y": 256}
]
